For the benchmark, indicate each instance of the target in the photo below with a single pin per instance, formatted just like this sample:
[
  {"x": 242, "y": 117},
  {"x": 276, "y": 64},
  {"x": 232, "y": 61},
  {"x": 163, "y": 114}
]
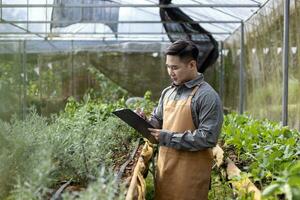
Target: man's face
[{"x": 179, "y": 71}]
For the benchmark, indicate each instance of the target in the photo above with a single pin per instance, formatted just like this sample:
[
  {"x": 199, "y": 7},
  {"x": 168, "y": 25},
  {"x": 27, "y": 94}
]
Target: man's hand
[
  {"x": 141, "y": 113},
  {"x": 155, "y": 133}
]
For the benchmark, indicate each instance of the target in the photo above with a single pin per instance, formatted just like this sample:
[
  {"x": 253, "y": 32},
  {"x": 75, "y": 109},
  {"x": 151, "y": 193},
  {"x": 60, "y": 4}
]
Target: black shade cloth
[
  {"x": 207, "y": 45},
  {"x": 136, "y": 122}
]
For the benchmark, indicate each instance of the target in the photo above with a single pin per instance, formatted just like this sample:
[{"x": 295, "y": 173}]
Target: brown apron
[{"x": 182, "y": 175}]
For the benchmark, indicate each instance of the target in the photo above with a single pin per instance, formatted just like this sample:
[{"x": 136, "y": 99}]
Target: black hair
[{"x": 186, "y": 50}]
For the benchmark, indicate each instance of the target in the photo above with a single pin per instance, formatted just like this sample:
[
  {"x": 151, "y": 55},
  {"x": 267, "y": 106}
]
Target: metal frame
[
  {"x": 215, "y": 6},
  {"x": 151, "y": 4},
  {"x": 92, "y": 39},
  {"x": 24, "y": 78},
  {"x": 2, "y": 21},
  {"x": 111, "y": 33},
  {"x": 247, "y": 20},
  {"x": 242, "y": 66},
  {"x": 285, "y": 62},
  {"x": 221, "y": 81},
  {"x": 134, "y": 5}
]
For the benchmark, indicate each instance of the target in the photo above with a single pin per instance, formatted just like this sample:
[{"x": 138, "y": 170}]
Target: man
[{"x": 188, "y": 121}]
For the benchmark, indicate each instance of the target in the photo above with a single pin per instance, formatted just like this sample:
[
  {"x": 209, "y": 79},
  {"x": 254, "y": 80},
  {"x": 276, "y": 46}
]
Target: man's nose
[{"x": 171, "y": 71}]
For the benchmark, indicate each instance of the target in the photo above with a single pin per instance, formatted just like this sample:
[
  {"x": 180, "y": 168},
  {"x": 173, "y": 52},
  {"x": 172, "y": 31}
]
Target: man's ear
[{"x": 193, "y": 64}]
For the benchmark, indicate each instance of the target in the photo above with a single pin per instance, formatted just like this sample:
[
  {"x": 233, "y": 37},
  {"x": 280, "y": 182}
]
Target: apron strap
[
  {"x": 189, "y": 97},
  {"x": 194, "y": 91}
]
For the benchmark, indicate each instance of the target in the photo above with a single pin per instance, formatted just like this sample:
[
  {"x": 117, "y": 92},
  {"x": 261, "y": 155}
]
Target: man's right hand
[{"x": 141, "y": 113}]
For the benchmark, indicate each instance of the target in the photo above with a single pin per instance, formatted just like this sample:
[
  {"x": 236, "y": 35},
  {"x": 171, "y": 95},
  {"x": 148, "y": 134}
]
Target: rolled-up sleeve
[{"x": 210, "y": 113}]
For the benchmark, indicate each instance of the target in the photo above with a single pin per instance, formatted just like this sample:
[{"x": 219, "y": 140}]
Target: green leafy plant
[
  {"x": 35, "y": 155},
  {"x": 38, "y": 154},
  {"x": 107, "y": 90},
  {"x": 265, "y": 149},
  {"x": 288, "y": 183},
  {"x": 105, "y": 187}
]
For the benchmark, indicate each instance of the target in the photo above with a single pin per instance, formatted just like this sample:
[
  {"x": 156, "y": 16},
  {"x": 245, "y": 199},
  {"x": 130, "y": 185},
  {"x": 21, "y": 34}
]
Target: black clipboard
[{"x": 136, "y": 122}]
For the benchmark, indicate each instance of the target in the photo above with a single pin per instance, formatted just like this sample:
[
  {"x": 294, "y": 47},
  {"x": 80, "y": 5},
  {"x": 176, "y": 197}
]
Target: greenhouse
[{"x": 67, "y": 66}]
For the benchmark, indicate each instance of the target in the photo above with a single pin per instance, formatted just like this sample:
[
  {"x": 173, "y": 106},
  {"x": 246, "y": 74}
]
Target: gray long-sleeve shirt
[{"x": 207, "y": 114}]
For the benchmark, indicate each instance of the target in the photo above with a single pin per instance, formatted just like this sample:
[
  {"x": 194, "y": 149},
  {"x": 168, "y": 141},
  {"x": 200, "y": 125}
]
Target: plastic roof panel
[{"x": 35, "y": 19}]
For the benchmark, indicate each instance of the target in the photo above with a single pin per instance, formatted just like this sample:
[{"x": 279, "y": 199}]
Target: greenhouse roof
[{"x": 137, "y": 21}]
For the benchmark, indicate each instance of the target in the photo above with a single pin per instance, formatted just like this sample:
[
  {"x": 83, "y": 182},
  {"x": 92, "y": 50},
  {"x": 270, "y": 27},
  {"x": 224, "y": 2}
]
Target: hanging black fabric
[
  {"x": 207, "y": 45},
  {"x": 65, "y": 16}
]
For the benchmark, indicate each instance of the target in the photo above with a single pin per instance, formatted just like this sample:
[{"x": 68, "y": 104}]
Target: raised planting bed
[
  {"x": 137, "y": 187},
  {"x": 266, "y": 153}
]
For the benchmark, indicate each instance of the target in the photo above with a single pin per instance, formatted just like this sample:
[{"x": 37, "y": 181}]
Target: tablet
[{"x": 136, "y": 122}]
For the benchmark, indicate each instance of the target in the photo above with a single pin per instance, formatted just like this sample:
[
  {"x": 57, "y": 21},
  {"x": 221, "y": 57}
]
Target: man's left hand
[{"x": 155, "y": 133}]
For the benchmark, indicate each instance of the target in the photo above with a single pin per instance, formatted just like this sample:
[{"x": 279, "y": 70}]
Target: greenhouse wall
[
  {"x": 263, "y": 60},
  {"x": 45, "y": 80},
  {"x": 12, "y": 92}
]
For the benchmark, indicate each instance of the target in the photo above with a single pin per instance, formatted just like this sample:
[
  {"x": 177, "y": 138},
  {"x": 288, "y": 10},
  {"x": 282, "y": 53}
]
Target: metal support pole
[
  {"x": 19, "y": 70},
  {"x": 285, "y": 62},
  {"x": 221, "y": 83},
  {"x": 24, "y": 80},
  {"x": 1, "y": 10},
  {"x": 72, "y": 62},
  {"x": 242, "y": 65},
  {"x": 27, "y": 24}
]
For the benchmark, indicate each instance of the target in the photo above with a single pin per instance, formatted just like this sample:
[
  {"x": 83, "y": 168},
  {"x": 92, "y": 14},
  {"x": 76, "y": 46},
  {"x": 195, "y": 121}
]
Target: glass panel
[
  {"x": 8, "y": 28},
  {"x": 263, "y": 73},
  {"x": 11, "y": 80},
  {"x": 294, "y": 72},
  {"x": 14, "y": 14},
  {"x": 14, "y": 2},
  {"x": 36, "y": 14}
]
